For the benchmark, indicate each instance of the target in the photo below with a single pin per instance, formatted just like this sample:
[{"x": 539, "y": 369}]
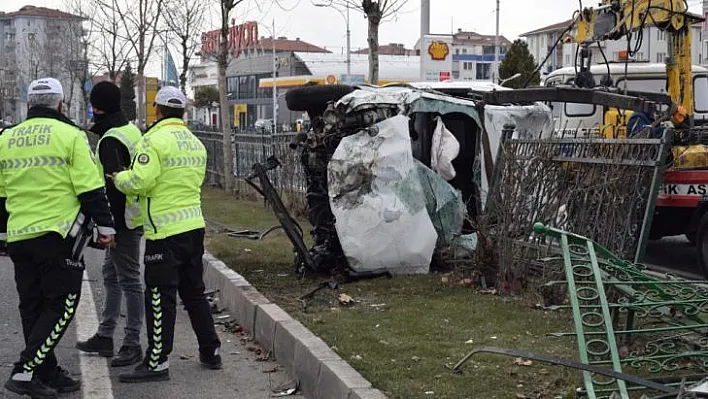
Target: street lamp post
[{"x": 349, "y": 38}]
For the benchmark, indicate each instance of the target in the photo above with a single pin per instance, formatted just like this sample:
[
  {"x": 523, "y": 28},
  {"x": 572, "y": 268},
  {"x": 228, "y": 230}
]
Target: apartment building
[{"x": 37, "y": 42}]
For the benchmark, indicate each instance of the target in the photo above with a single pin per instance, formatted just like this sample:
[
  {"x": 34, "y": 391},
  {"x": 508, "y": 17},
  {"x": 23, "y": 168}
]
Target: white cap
[
  {"x": 45, "y": 86},
  {"x": 172, "y": 97}
]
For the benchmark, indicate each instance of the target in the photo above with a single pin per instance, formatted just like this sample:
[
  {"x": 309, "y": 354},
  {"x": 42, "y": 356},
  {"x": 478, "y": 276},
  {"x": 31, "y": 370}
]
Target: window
[
  {"x": 232, "y": 87},
  {"x": 265, "y": 92},
  {"x": 242, "y": 87},
  {"x": 660, "y": 58},
  {"x": 484, "y": 71},
  {"x": 700, "y": 93},
  {"x": 660, "y": 35},
  {"x": 488, "y": 50},
  {"x": 457, "y": 51},
  {"x": 464, "y": 51},
  {"x": 467, "y": 66},
  {"x": 556, "y": 107},
  {"x": 577, "y": 109},
  {"x": 648, "y": 85}
]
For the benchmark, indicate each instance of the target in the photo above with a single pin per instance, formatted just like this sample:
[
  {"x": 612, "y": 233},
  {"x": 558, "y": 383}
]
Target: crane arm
[{"x": 615, "y": 19}]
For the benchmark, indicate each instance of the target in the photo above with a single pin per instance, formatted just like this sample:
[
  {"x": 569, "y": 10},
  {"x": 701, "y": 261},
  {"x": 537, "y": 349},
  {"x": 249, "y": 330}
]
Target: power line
[{"x": 297, "y": 3}]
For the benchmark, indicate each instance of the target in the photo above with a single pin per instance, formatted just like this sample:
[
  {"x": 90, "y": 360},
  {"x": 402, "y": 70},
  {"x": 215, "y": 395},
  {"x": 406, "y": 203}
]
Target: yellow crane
[{"x": 615, "y": 19}]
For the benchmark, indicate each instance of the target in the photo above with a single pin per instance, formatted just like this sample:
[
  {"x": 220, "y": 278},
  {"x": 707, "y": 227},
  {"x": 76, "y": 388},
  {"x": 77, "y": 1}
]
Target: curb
[{"x": 321, "y": 373}]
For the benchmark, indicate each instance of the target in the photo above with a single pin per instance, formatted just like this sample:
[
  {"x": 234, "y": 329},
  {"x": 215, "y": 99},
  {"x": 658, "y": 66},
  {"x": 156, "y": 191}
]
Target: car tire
[
  {"x": 702, "y": 245},
  {"x": 314, "y": 98}
]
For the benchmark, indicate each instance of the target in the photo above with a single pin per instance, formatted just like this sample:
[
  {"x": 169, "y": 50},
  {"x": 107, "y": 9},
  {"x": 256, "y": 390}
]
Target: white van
[{"x": 573, "y": 119}]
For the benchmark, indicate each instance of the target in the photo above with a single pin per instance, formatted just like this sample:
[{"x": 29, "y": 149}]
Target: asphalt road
[
  {"x": 242, "y": 376},
  {"x": 673, "y": 254}
]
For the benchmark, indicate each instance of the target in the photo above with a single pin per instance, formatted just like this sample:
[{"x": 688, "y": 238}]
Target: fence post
[{"x": 237, "y": 164}]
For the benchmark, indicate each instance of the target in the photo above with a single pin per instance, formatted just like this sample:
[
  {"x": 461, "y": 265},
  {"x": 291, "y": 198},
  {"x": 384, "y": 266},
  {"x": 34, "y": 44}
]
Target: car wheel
[
  {"x": 702, "y": 245},
  {"x": 314, "y": 98}
]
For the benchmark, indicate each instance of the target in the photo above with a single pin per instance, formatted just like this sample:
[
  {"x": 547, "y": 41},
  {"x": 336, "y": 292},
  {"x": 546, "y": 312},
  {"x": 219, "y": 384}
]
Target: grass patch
[{"x": 401, "y": 333}]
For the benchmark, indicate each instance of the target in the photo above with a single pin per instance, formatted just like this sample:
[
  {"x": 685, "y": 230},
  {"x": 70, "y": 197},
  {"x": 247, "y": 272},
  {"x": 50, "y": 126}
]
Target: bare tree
[
  {"x": 109, "y": 47},
  {"x": 141, "y": 20},
  {"x": 89, "y": 56},
  {"x": 223, "y": 62},
  {"x": 186, "y": 20},
  {"x": 215, "y": 46},
  {"x": 376, "y": 12}
]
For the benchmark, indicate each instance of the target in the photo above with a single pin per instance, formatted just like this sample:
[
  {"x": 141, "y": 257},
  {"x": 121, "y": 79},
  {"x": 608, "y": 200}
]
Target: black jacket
[
  {"x": 93, "y": 203},
  {"x": 115, "y": 158}
]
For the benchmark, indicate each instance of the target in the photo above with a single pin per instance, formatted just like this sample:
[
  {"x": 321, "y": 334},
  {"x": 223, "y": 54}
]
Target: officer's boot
[
  {"x": 60, "y": 380},
  {"x": 28, "y": 384},
  {"x": 127, "y": 355},
  {"x": 97, "y": 344},
  {"x": 143, "y": 373},
  {"x": 210, "y": 359}
]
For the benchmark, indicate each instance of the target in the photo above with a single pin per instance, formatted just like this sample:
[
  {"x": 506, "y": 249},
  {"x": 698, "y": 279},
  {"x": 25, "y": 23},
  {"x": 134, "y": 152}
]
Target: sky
[{"x": 325, "y": 27}]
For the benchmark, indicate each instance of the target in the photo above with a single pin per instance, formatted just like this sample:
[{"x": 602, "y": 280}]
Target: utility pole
[
  {"x": 424, "y": 17},
  {"x": 495, "y": 69},
  {"x": 275, "y": 85},
  {"x": 349, "y": 39},
  {"x": 349, "y": 50}
]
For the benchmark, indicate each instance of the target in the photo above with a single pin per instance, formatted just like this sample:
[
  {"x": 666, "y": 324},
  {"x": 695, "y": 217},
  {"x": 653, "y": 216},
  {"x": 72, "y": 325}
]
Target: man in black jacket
[
  {"x": 49, "y": 188},
  {"x": 121, "y": 268}
]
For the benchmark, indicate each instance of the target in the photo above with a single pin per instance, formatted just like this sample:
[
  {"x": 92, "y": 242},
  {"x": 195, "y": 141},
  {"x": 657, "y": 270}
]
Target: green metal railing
[{"x": 630, "y": 320}]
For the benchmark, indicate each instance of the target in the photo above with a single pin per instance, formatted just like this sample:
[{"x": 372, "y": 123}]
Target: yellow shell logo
[{"x": 438, "y": 50}]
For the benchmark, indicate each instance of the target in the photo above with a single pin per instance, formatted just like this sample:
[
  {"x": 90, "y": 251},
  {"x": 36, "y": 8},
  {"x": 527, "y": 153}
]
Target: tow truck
[{"x": 682, "y": 205}]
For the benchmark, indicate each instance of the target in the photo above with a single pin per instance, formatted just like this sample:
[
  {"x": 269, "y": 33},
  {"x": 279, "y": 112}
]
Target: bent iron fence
[{"x": 603, "y": 189}]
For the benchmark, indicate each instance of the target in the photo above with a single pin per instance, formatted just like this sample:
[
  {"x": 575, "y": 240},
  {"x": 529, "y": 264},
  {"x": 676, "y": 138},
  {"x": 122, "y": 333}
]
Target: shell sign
[{"x": 438, "y": 50}]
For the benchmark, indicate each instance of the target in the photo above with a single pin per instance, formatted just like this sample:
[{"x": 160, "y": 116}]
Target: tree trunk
[
  {"x": 142, "y": 105},
  {"x": 373, "y": 40},
  {"x": 185, "y": 65},
  {"x": 229, "y": 180},
  {"x": 142, "y": 110},
  {"x": 70, "y": 96}
]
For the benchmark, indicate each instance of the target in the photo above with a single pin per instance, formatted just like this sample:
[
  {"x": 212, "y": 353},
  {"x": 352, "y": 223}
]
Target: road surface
[
  {"x": 673, "y": 254},
  {"x": 242, "y": 376}
]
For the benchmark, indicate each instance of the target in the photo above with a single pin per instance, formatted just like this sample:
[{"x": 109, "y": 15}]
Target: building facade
[
  {"x": 651, "y": 49},
  {"x": 472, "y": 54},
  {"x": 39, "y": 42},
  {"x": 388, "y": 49},
  {"x": 294, "y": 62},
  {"x": 251, "y": 103},
  {"x": 204, "y": 74}
]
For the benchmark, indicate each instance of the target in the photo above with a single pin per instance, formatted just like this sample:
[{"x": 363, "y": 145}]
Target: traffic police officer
[
  {"x": 121, "y": 267},
  {"x": 48, "y": 185},
  {"x": 167, "y": 173}
]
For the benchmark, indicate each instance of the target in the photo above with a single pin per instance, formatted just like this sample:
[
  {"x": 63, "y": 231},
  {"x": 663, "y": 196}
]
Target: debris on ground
[
  {"x": 288, "y": 389},
  {"x": 522, "y": 362},
  {"x": 262, "y": 356},
  {"x": 630, "y": 321},
  {"x": 345, "y": 300}
]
